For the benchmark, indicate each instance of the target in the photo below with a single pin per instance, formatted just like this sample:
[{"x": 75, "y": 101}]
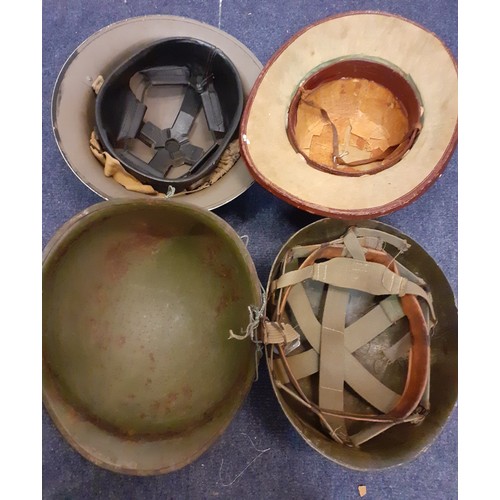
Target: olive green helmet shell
[
  {"x": 403, "y": 442},
  {"x": 139, "y": 297}
]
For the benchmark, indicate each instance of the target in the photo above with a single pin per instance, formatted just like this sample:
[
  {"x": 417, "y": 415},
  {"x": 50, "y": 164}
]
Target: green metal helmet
[
  {"x": 139, "y": 298},
  {"x": 361, "y": 342}
]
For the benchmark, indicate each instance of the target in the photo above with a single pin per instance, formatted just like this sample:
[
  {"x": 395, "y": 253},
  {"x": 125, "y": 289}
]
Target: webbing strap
[
  {"x": 369, "y": 387},
  {"x": 380, "y": 275},
  {"x": 368, "y": 238},
  {"x": 302, "y": 365},
  {"x": 331, "y": 359},
  {"x": 426, "y": 396},
  {"x": 400, "y": 244},
  {"x": 398, "y": 348},
  {"x": 356, "y": 376},
  {"x": 370, "y": 277},
  {"x": 302, "y": 251},
  {"x": 366, "y": 328},
  {"x": 279, "y": 333},
  {"x": 374, "y": 322},
  {"x": 406, "y": 273},
  {"x": 369, "y": 432},
  {"x": 353, "y": 246},
  {"x": 304, "y": 315},
  {"x": 356, "y": 335},
  {"x": 396, "y": 351}
]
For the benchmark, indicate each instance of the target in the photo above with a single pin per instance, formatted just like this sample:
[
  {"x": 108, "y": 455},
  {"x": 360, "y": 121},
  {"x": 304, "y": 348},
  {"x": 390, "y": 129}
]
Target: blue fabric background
[{"x": 290, "y": 469}]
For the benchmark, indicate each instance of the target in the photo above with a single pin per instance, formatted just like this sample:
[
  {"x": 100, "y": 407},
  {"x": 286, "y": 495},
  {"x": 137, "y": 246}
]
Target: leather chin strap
[{"x": 355, "y": 262}]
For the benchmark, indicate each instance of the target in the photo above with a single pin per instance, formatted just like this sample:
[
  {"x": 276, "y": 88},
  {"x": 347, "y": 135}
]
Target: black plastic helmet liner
[{"x": 212, "y": 83}]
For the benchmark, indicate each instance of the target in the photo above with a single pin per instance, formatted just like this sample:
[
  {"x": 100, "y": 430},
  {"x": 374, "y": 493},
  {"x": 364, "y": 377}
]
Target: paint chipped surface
[{"x": 121, "y": 253}]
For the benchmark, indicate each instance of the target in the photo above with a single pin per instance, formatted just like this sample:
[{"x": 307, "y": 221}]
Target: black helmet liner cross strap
[{"x": 211, "y": 83}]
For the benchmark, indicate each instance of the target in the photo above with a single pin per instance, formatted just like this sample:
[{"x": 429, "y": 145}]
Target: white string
[
  {"x": 220, "y": 13},
  {"x": 245, "y": 238},
  {"x": 255, "y": 315},
  {"x": 261, "y": 452},
  {"x": 170, "y": 191}
]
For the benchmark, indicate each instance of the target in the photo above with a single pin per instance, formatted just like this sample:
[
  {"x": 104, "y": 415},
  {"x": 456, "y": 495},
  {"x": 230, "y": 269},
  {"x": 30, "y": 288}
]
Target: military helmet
[
  {"x": 139, "y": 299},
  {"x": 361, "y": 342},
  {"x": 94, "y": 60}
]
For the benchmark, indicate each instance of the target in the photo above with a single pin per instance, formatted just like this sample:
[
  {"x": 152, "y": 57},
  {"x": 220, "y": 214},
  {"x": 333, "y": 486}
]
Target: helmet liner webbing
[
  {"x": 357, "y": 334},
  {"x": 332, "y": 348},
  {"x": 382, "y": 316},
  {"x": 331, "y": 360},
  {"x": 370, "y": 277}
]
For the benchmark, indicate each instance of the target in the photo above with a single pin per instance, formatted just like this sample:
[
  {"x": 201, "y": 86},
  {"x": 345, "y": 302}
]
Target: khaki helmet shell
[
  {"x": 406, "y": 441},
  {"x": 73, "y": 100},
  {"x": 139, "y": 297}
]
